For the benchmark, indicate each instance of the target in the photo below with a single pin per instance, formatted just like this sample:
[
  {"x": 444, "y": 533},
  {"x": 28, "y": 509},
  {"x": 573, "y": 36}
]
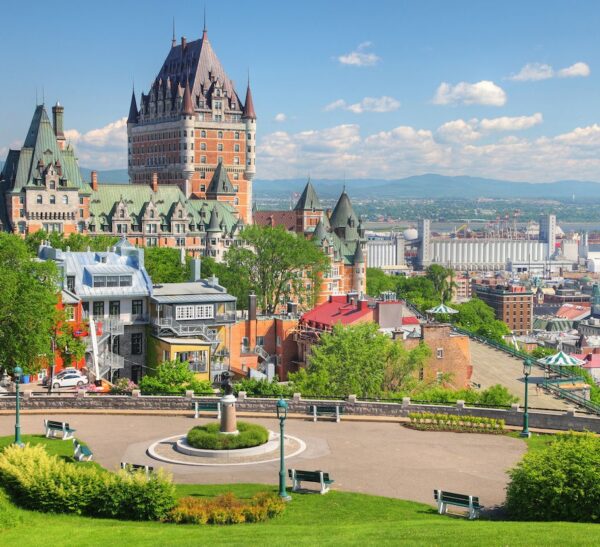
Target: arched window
[
  {"x": 65, "y": 200},
  {"x": 203, "y": 133},
  {"x": 40, "y": 199},
  {"x": 52, "y": 200},
  {"x": 151, "y": 214},
  {"x": 220, "y": 134}
]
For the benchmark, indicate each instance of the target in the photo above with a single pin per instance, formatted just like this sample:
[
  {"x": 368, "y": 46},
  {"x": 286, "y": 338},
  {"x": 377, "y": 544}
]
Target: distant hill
[{"x": 432, "y": 186}]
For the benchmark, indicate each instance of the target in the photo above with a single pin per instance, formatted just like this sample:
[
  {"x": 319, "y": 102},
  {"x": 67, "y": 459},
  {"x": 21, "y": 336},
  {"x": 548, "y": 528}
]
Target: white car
[{"x": 69, "y": 380}]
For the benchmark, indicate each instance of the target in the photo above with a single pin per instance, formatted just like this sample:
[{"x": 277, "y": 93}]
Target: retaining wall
[{"x": 569, "y": 420}]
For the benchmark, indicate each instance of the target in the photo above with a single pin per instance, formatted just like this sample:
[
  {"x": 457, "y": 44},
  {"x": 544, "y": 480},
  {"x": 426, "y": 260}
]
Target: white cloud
[
  {"x": 281, "y": 117},
  {"x": 484, "y": 92},
  {"x": 576, "y": 70},
  {"x": 104, "y": 148},
  {"x": 368, "y": 104},
  {"x": 541, "y": 71},
  {"x": 463, "y": 131},
  {"x": 453, "y": 149},
  {"x": 360, "y": 57}
]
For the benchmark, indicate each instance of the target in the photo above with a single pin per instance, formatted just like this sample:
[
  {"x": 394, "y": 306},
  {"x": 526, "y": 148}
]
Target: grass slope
[{"x": 339, "y": 518}]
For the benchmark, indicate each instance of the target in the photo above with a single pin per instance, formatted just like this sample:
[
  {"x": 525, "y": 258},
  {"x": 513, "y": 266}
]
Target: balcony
[
  {"x": 138, "y": 319},
  {"x": 167, "y": 325},
  {"x": 227, "y": 317},
  {"x": 108, "y": 362}
]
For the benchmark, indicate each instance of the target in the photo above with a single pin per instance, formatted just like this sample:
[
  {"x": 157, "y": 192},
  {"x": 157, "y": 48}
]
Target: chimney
[
  {"x": 94, "y": 181},
  {"x": 187, "y": 188},
  {"x": 57, "y": 120},
  {"x": 363, "y": 304},
  {"x": 195, "y": 269},
  {"x": 252, "y": 307},
  {"x": 292, "y": 308},
  {"x": 183, "y": 42},
  {"x": 213, "y": 281},
  {"x": 155, "y": 182}
]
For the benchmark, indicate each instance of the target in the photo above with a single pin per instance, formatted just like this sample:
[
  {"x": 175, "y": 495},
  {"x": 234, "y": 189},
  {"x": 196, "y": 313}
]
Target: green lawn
[{"x": 337, "y": 518}]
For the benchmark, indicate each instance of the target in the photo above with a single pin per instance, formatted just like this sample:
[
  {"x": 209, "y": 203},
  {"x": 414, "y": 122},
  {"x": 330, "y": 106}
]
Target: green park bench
[
  {"x": 80, "y": 452},
  {"x": 298, "y": 477},
  {"x": 58, "y": 427},
  {"x": 335, "y": 411},
  {"x": 207, "y": 406},
  {"x": 459, "y": 500},
  {"x": 134, "y": 467}
]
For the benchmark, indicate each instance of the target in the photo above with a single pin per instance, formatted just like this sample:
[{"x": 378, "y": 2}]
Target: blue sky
[{"x": 385, "y": 89}]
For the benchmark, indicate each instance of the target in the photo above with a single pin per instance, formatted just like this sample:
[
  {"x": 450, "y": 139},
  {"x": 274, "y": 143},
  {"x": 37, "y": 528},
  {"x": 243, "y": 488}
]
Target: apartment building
[{"x": 512, "y": 304}]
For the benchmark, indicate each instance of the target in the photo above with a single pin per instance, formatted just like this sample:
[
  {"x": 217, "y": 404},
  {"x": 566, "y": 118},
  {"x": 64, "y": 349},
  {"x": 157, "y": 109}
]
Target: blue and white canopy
[
  {"x": 442, "y": 308},
  {"x": 561, "y": 359}
]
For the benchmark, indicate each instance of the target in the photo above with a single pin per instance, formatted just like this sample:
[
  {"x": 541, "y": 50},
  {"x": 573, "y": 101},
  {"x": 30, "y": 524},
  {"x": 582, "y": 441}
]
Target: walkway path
[
  {"x": 492, "y": 366},
  {"x": 375, "y": 458}
]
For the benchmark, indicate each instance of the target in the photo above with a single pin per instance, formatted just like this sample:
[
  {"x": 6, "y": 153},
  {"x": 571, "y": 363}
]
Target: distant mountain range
[
  {"x": 433, "y": 186},
  {"x": 421, "y": 186}
]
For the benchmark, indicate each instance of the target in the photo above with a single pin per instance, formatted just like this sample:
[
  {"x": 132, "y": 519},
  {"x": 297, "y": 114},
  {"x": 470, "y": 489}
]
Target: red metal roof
[
  {"x": 410, "y": 320},
  {"x": 574, "y": 311},
  {"x": 276, "y": 218},
  {"x": 337, "y": 310}
]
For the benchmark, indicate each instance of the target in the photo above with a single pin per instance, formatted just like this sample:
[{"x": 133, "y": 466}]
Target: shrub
[
  {"x": 560, "y": 481},
  {"x": 430, "y": 421},
  {"x": 226, "y": 509},
  {"x": 173, "y": 377},
  {"x": 263, "y": 388},
  {"x": 38, "y": 481},
  {"x": 209, "y": 437},
  {"x": 123, "y": 386}
]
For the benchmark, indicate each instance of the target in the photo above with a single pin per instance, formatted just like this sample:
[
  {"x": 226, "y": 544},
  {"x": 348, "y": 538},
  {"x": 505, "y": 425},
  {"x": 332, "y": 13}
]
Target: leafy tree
[
  {"x": 418, "y": 290},
  {"x": 274, "y": 260},
  {"x": 558, "y": 482},
  {"x": 541, "y": 351},
  {"x": 479, "y": 318},
  {"x": 442, "y": 281},
  {"x": 71, "y": 348},
  {"x": 174, "y": 377},
  {"x": 358, "y": 360},
  {"x": 163, "y": 265},
  {"x": 27, "y": 305},
  {"x": 236, "y": 286},
  {"x": 75, "y": 242},
  {"x": 378, "y": 281}
]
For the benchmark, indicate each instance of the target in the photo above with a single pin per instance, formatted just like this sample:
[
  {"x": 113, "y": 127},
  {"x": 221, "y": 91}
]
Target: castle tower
[
  {"x": 359, "y": 277},
  {"x": 308, "y": 210},
  {"x": 190, "y": 122}
]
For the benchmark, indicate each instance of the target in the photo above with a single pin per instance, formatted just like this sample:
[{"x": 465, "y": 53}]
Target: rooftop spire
[
  {"x": 248, "y": 104},
  {"x": 173, "y": 40},
  {"x": 133, "y": 109},
  {"x": 188, "y": 107},
  {"x": 204, "y": 31}
]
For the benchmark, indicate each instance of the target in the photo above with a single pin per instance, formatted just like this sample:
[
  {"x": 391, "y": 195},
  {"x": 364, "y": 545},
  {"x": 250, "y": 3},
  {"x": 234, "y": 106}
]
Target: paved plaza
[{"x": 379, "y": 458}]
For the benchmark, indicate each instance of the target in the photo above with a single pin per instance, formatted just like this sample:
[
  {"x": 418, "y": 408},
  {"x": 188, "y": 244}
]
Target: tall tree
[
  {"x": 163, "y": 265},
  {"x": 442, "y": 279},
  {"x": 359, "y": 360},
  {"x": 476, "y": 316},
  {"x": 27, "y": 305},
  {"x": 279, "y": 264},
  {"x": 378, "y": 281}
]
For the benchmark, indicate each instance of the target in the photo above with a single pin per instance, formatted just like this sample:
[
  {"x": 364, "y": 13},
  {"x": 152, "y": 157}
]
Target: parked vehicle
[
  {"x": 61, "y": 374},
  {"x": 69, "y": 380}
]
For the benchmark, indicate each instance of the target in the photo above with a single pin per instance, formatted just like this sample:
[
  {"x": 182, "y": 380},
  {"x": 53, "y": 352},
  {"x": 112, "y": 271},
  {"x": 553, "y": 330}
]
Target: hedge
[
  {"x": 430, "y": 421},
  {"x": 209, "y": 437}
]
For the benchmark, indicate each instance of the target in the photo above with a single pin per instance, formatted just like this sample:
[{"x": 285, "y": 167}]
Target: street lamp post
[
  {"x": 17, "y": 372},
  {"x": 527, "y": 365},
  {"x": 282, "y": 407}
]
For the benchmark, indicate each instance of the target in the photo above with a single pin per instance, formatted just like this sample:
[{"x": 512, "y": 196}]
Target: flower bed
[
  {"x": 226, "y": 509},
  {"x": 209, "y": 437},
  {"x": 430, "y": 421}
]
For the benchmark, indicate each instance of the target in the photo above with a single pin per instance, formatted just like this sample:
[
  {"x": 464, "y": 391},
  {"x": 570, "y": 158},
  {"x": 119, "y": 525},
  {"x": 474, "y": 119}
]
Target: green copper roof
[
  {"x": 220, "y": 183},
  {"x": 344, "y": 217},
  {"x": 309, "y": 200},
  {"x": 137, "y": 197},
  {"x": 26, "y": 168}
]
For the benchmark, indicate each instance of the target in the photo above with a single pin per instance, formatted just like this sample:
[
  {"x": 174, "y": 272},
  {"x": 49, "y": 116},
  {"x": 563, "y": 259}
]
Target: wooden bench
[
  {"x": 334, "y": 411},
  {"x": 459, "y": 500},
  {"x": 200, "y": 406},
  {"x": 56, "y": 427},
  {"x": 320, "y": 477},
  {"x": 134, "y": 467},
  {"x": 81, "y": 453}
]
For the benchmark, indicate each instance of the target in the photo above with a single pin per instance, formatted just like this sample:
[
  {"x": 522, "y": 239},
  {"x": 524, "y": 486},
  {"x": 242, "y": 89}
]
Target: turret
[
  {"x": 57, "y": 121},
  {"x": 359, "y": 276},
  {"x": 187, "y": 114},
  {"x": 249, "y": 118}
]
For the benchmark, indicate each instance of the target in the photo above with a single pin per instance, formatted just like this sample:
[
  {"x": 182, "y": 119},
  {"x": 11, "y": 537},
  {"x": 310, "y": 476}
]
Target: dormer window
[
  {"x": 122, "y": 213},
  {"x": 151, "y": 214},
  {"x": 52, "y": 185}
]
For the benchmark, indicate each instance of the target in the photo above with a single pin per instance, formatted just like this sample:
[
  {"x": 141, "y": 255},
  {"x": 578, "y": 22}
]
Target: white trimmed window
[{"x": 187, "y": 313}]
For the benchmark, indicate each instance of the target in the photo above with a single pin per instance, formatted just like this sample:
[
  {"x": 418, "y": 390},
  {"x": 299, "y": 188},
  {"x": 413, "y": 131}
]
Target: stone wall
[{"x": 556, "y": 420}]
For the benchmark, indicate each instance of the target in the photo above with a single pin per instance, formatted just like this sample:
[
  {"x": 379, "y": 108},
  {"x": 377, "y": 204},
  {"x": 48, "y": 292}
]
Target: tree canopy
[
  {"x": 274, "y": 260},
  {"x": 75, "y": 242},
  {"x": 359, "y": 360},
  {"x": 479, "y": 318},
  {"x": 163, "y": 265},
  {"x": 28, "y": 298}
]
